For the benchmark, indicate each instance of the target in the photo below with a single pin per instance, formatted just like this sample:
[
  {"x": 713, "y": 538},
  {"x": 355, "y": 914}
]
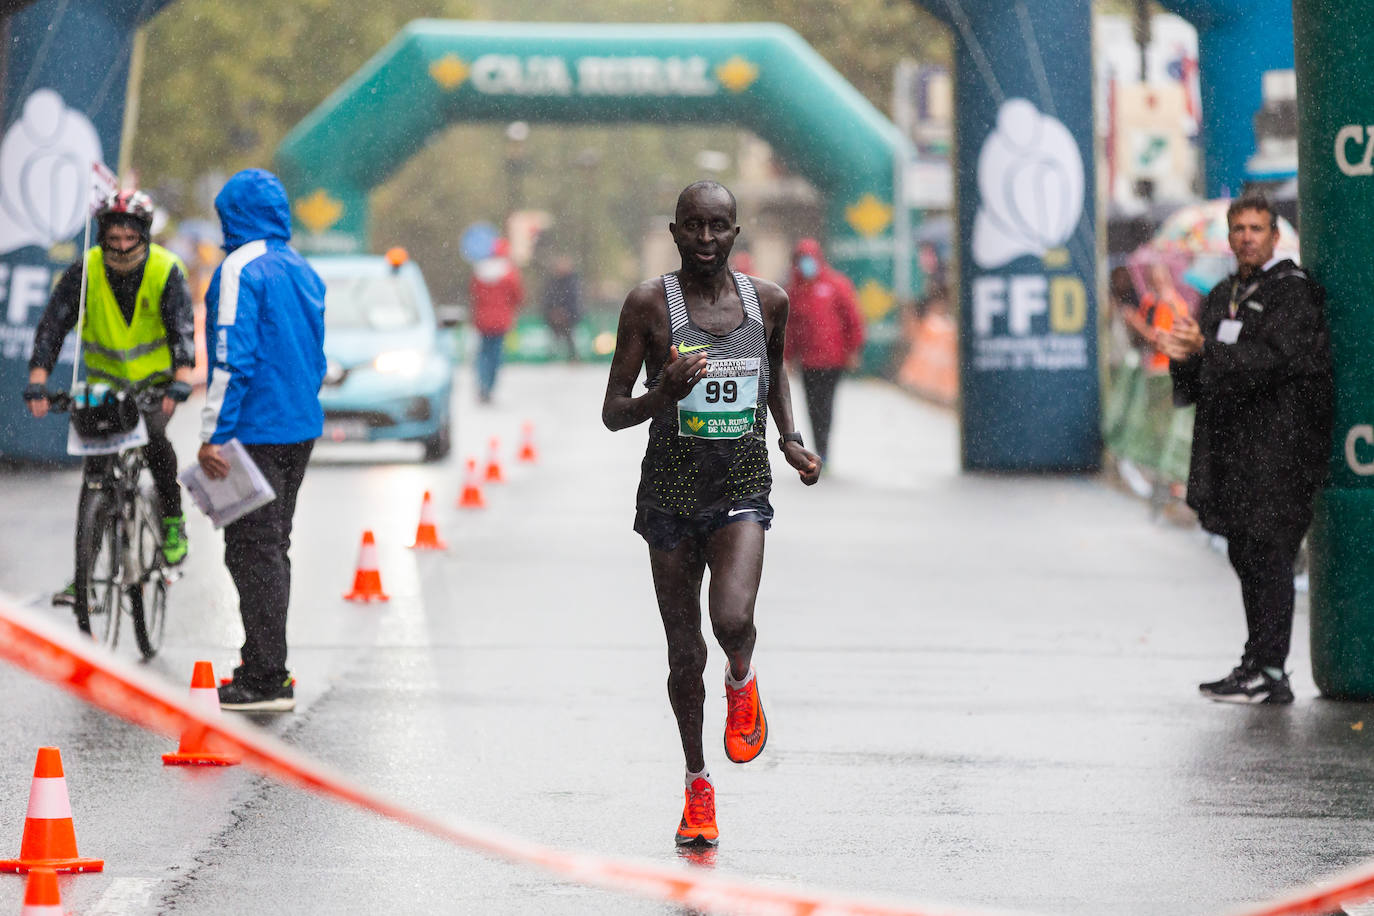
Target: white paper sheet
[{"x": 234, "y": 496}]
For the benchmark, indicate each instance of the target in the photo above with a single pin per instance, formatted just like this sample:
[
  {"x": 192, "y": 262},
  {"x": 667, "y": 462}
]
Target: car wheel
[{"x": 438, "y": 445}]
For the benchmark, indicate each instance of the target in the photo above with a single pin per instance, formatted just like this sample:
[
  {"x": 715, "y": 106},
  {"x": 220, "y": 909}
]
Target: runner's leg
[
  {"x": 735, "y": 555},
  {"x": 677, "y": 583}
]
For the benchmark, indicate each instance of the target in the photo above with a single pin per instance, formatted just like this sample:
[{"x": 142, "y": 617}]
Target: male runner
[{"x": 711, "y": 344}]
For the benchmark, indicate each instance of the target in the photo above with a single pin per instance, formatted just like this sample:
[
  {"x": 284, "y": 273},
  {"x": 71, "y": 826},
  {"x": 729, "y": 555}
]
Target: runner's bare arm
[
  {"x": 773, "y": 302},
  {"x": 641, "y": 340}
]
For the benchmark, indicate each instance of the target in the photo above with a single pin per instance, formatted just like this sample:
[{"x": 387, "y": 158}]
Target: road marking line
[{"x": 125, "y": 895}]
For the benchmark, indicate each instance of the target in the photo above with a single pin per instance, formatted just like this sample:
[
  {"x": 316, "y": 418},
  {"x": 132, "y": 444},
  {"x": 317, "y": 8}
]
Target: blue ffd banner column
[
  {"x": 63, "y": 106},
  {"x": 1027, "y": 233}
]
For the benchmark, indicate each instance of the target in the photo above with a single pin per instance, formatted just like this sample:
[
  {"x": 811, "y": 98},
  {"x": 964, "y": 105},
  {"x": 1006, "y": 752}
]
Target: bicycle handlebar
[{"x": 61, "y": 401}]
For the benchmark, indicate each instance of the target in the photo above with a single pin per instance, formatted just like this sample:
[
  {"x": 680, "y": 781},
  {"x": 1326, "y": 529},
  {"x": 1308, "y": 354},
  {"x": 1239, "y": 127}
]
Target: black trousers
[
  {"x": 820, "y": 404},
  {"x": 255, "y": 550},
  {"x": 1265, "y": 568},
  {"x": 157, "y": 454}
]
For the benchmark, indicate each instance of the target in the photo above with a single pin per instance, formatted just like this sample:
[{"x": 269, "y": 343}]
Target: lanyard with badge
[
  {"x": 1228, "y": 332},
  {"x": 722, "y": 404}
]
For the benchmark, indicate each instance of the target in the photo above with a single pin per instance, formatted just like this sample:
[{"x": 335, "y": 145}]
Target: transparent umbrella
[{"x": 1193, "y": 241}]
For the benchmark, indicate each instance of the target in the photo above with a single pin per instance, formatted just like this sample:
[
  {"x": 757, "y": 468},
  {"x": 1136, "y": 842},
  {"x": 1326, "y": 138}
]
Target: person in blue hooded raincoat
[{"x": 264, "y": 321}]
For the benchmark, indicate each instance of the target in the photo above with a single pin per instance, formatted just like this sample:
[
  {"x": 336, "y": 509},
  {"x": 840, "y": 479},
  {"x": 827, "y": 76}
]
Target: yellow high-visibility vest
[{"x": 134, "y": 353}]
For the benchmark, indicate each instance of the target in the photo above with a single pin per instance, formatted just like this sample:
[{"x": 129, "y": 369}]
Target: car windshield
[{"x": 378, "y": 303}]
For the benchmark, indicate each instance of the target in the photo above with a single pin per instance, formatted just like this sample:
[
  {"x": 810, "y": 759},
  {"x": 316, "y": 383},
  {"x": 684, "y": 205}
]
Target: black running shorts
[{"x": 665, "y": 531}]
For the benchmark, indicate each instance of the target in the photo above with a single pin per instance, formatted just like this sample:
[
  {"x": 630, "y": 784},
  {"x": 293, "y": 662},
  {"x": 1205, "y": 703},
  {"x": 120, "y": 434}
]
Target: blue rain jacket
[{"x": 264, "y": 323}]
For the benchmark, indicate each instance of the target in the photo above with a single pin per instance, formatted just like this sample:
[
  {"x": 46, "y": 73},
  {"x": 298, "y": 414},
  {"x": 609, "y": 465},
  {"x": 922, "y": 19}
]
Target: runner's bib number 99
[{"x": 723, "y": 403}]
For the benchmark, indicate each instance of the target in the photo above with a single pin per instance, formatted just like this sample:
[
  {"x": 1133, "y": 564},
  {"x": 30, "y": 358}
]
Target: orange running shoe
[
  {"x": 698, "y": 823},
  {"x": 746, "y": 728}
]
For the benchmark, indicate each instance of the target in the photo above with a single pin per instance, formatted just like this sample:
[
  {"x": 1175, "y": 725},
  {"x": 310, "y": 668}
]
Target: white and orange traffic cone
[
  {"x": 41, "y": 896},
  {"x": 427, "y": 533},
  {"x": 197, "y": 746},
  {"x": 528, "y": 454},
  {"x": 494, "y": 474},
  {"x": 49, "y": 834},
  {"x": 367, "y": 580},
  {"x": 471, "y": 497}
]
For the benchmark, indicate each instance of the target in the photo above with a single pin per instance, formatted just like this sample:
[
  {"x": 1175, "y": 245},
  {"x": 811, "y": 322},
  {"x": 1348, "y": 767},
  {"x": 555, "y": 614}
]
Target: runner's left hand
[
  {"x": 807, "y": 464},
  {"x": 682, "y": 373}
]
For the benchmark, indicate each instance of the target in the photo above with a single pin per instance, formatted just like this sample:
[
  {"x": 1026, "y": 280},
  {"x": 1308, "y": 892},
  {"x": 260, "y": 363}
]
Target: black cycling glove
[
  {"x": 179, "y": 391},
  {"x": 34, "y": 391}
]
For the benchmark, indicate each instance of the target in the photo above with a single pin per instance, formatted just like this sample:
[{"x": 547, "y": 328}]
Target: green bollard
[{"x": 1335, "y": 68}]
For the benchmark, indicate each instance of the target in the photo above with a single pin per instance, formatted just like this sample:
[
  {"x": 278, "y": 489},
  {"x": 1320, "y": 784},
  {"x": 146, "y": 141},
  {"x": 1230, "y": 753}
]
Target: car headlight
[{"x": 403, "y": 362}]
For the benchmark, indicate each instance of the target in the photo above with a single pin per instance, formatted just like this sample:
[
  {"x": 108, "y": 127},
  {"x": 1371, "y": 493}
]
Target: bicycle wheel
[
  {"x": 98, "y": 570},
  {"x": 148, "y": 596}
]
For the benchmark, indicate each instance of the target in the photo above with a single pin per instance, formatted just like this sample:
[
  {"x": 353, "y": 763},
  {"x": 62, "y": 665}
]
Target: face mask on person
[
  {"x": 123, "y": 248},
  {"x": 125, "y": 259},
  {"x": 808, "y": 267}
]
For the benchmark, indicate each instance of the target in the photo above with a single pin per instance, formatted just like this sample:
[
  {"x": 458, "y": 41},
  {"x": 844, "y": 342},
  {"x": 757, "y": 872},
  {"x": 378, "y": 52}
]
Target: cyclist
[{"x": 138, "y": 336}]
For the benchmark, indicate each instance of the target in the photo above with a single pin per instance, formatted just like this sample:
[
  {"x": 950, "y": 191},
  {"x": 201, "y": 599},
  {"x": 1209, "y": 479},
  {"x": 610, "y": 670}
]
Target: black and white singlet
[{"x": 710, "y": 450}]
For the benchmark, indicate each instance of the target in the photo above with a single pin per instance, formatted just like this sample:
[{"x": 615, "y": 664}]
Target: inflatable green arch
[{"x": 761, "y": 76}]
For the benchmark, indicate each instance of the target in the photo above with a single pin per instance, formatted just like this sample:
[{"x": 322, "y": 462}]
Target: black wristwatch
[{"x": 790, "y": 437}]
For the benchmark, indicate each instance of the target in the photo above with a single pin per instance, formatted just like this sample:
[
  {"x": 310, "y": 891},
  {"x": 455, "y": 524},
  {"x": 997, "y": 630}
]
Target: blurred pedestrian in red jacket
[
  {"x": 496, "y": 294},
  {"x": 825, "y": 333}
]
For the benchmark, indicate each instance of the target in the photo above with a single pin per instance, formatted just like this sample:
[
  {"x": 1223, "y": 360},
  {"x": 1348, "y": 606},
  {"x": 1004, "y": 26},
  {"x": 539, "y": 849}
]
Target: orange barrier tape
[
  {"x": 1325, "y": 899},
  {"x": 73, "y": 662}
]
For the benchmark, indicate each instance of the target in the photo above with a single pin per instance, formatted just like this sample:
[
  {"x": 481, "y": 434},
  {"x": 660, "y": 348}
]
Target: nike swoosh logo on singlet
[{"x": 683, "y": 348}]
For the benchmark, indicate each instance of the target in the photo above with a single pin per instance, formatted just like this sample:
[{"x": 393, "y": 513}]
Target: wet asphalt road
[{"x": 981, "y": 690}]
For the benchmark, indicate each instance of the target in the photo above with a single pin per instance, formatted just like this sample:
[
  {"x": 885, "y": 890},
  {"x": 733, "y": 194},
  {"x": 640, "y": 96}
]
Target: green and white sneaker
[
  {"x": 66, "y": 597},
  {"x": 174, "y": 543}
]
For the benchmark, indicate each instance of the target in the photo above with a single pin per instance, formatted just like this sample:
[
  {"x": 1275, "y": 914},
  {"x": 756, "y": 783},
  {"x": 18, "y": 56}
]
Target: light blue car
[{"x": 390, "y": 373}]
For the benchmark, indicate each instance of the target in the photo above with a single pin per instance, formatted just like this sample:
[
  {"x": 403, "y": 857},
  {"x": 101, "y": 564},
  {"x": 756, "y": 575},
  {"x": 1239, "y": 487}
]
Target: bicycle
[{"x": 120, "y": 566}]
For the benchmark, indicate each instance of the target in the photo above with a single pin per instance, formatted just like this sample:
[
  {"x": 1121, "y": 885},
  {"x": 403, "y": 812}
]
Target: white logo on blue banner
[
  {"x": 45, "y": 172},
  {"x": 1031, "y": 184}
]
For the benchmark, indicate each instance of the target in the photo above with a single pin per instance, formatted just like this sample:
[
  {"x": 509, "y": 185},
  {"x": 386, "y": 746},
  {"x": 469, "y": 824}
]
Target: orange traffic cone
[
  {"x": 471, "y": 497},
  {"x": 41, "y": 896},
  {"x": 427, "y": 534},
  {"x": 493, "y": 473},
  {"x": 49, "y": 834},
  {"x": 528, "y": 455},
  {"x": 197, "y": 747},
  {"x": 367, "y": 581}
]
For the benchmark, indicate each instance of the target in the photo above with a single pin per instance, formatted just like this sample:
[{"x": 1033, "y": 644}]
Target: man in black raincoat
[{"x": 1257, "y": 364}]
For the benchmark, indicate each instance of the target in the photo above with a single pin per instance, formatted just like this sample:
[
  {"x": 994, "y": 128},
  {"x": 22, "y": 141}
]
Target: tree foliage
[{"x": 226, "y": 79}]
